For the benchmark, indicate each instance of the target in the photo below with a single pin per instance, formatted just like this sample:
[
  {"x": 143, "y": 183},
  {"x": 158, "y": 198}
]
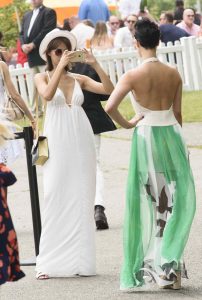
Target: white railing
[
  {"x": 23, "y": 81},
  {"x": 186, "y": 55}
]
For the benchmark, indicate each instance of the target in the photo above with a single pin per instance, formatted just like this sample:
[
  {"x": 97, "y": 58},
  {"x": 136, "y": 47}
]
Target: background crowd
[{"x": 96, "y": 27}]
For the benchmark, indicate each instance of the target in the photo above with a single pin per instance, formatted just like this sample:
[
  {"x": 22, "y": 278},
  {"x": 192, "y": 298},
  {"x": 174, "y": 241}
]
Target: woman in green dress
[{"x": 160, "y": 198}]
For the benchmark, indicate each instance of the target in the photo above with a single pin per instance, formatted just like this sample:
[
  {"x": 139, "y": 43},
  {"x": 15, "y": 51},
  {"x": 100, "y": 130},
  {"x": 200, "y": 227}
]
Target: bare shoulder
[
  {"x": 129, "y": 74},
  {"x": 40, "y": 76},
  {"x": 174, "y": 72},
  {"x": 133, "y": 75},
  {"x": 171, "y": 71}
]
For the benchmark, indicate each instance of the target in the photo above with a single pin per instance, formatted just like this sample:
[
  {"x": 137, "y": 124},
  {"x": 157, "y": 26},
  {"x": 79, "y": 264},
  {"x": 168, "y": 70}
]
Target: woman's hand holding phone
[
  {"x": 83, "y": 56},
  {"x": 89, "y": 57},
  {"x": 66, "y": 59}
]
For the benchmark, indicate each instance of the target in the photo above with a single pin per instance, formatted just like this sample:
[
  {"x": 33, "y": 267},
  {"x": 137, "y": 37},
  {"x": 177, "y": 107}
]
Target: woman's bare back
[{"x": 155, "y": 85}]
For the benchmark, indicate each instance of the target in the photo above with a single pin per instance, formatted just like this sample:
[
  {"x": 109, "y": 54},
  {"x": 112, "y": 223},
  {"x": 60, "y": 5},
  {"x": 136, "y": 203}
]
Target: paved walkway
[{"x": 115, "y": 157}]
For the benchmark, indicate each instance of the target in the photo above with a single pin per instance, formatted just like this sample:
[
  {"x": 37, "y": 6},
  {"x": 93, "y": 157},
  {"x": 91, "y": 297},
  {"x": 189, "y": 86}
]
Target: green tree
[
  {"x": 190, "y": 3},
  {"x": 157, "y": 6},
  {"x": 8, "y": 21}
]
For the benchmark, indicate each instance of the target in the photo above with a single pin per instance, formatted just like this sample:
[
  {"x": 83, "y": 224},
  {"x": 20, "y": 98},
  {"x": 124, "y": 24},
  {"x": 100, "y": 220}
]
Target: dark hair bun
[{"x": 147, "y": 33}]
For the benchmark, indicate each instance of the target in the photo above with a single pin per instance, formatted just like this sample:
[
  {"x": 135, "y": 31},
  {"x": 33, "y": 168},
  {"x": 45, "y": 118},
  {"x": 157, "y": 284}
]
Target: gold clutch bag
[{"x": 40, "y": 152}]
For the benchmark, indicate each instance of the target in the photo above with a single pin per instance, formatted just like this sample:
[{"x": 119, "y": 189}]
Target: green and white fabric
[{"x": 160, "y": 200}]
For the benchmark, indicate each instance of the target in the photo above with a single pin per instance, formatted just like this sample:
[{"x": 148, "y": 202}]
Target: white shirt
[
  {"x": 123, "y": 38},
  {"x": 127, "y": 7},
  {"x": 82, "y": 33},
  {"x": 33, "y": 18}
]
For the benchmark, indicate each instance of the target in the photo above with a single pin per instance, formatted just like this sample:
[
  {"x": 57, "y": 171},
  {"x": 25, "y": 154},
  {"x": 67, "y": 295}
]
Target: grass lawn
[{"x": 191, "y": 107}]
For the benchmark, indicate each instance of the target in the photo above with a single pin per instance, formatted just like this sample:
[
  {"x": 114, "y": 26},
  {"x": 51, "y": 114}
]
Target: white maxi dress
[{"x": 67, "y": 244}]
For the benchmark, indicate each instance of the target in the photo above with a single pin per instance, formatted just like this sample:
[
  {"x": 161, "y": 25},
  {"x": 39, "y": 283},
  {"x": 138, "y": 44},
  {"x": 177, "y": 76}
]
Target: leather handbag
[
  {"x": 11, "y": 109},
  {"x": 40, "y": 151}
]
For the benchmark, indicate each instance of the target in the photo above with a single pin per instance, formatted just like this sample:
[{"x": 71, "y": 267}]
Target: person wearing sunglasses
[
  {"x": 187, "y": 23},
  {"x": 169, "y": 31},
  {"x": 125, "y": 36},
  {"x": 113, "y": 25},
  {"x": 67, "y": 244}
]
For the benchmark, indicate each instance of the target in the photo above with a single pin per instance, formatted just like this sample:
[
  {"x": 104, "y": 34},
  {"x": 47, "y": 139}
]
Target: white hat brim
[{"x": 51, "y": 36}]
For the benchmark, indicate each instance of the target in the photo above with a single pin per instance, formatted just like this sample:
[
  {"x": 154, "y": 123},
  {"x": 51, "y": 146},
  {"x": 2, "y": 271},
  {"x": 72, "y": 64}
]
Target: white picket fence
[
  {"x": 186, "y": 55},
  {"x": 23, "y": 81}
]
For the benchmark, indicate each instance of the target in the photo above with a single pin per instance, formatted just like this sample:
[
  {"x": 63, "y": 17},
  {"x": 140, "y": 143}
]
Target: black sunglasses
[{"x": 59, "y": 52}]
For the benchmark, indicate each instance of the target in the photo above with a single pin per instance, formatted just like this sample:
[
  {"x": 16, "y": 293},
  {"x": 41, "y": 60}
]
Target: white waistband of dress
[{"x": 158, "y": 118}]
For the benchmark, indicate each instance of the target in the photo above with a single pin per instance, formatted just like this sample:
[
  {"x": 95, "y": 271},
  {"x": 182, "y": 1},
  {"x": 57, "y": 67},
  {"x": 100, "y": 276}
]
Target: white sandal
[
  {"x": 42, "y": 276},
  {"x": 160, "y": 281}
]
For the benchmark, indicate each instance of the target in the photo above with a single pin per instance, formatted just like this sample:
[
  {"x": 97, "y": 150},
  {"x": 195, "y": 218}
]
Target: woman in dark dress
[{"x": 9, "y": 258}]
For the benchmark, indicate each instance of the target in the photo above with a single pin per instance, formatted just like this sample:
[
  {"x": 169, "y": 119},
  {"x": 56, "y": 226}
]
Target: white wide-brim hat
[{"x": 51, "y": 36}]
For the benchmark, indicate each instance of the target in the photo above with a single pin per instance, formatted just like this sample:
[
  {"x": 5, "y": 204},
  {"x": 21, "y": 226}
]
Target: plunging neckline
[
  {"x": 58, "y": 88},
  {"x": 71, "y": 103}
]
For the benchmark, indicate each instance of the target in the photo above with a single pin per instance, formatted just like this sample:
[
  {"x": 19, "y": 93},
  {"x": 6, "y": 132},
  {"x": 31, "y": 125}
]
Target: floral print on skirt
[{"x": 9, "y": 257}]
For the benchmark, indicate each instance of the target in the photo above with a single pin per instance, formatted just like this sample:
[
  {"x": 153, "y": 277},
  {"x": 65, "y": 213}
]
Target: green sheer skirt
[{"x": 160, "y": 205}]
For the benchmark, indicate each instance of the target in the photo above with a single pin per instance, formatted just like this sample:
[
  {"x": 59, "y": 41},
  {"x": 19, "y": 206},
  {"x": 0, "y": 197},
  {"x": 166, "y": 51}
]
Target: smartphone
[{"x": 79, "y": 56}]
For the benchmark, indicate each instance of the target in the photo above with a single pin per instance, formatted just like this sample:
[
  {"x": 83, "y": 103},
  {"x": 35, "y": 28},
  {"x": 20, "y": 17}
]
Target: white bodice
[
  {"x": 155, "y": 117},
  {"x": 60, "y": 100}
]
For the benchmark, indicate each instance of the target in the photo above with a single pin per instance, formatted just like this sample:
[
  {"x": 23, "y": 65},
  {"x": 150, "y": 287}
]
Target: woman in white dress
[
  {"x": 12, "y": 149},
  {"x": 67, "y": 244}
]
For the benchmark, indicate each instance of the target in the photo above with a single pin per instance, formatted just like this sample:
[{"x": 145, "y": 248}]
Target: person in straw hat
[{"x": 67, "y": 244}]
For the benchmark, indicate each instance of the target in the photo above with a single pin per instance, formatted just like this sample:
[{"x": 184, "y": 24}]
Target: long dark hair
[{"x": 54, "y": 45}]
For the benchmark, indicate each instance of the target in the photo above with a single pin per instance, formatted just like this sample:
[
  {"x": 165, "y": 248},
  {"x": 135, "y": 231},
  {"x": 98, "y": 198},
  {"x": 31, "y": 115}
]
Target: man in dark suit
[
  {"x": 100, "y": 122},
  {"x": 170, "y": 32},
  {"x": 35, "y": 25}
]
